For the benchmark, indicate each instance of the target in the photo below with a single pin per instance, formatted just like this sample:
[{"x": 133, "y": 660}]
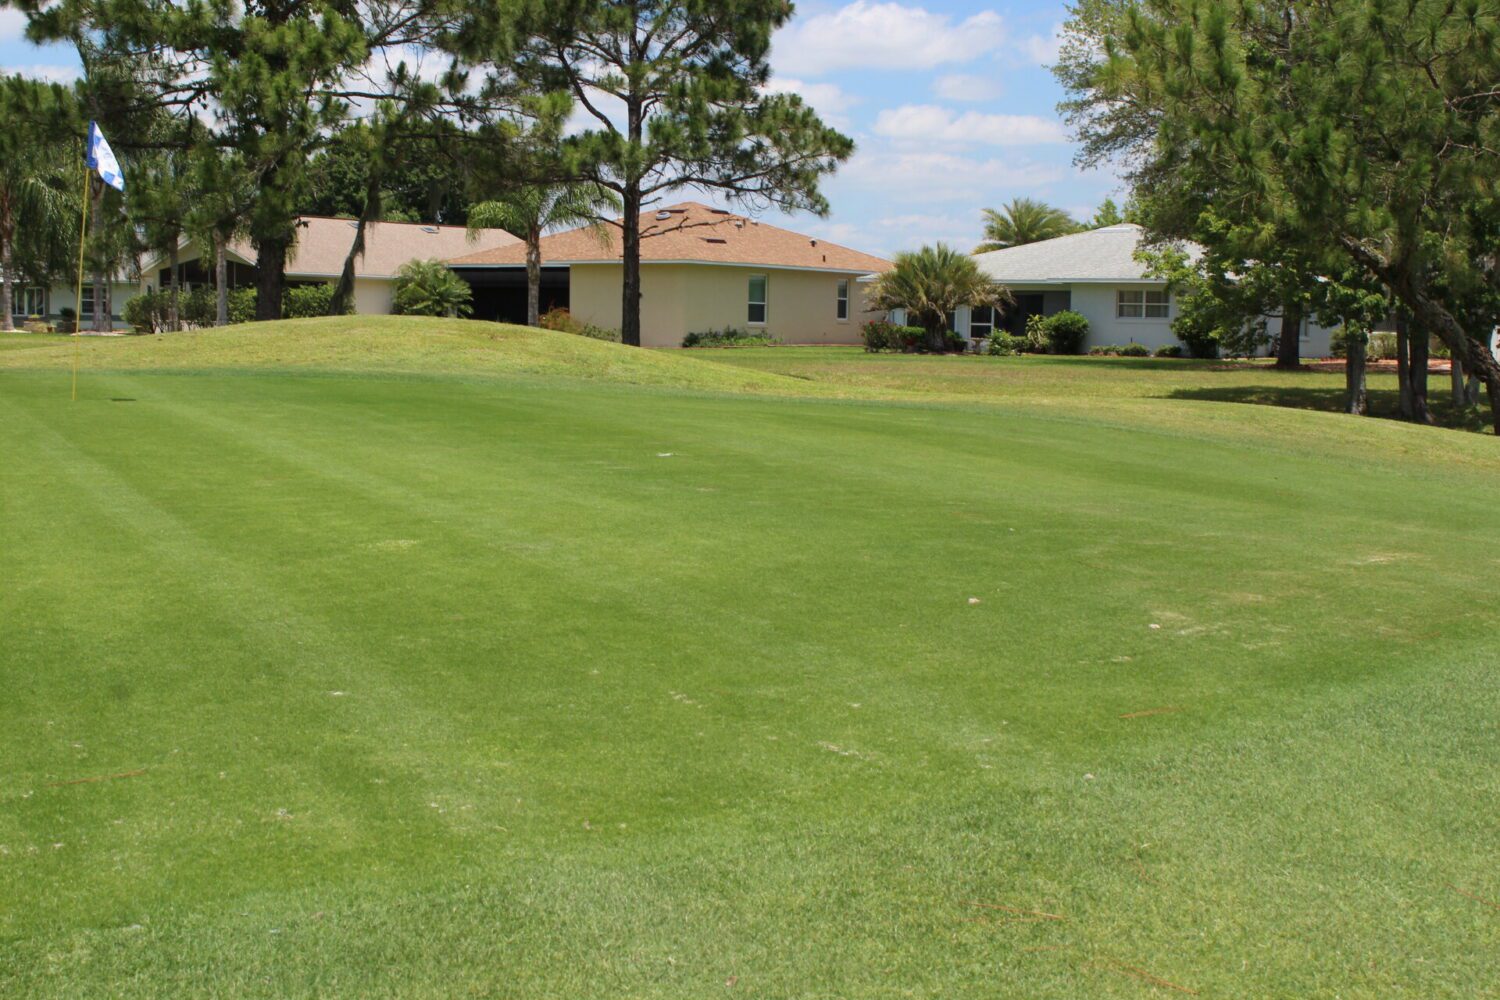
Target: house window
[
  {"x": 757, "y": 314},
  {"x": 981, "y": 322},
  {"x": 843, "y": 298},
  {"x": 88, "y": 301},
  {"x": 1141, "y": 304},
  {"x": 30, "y": 302}
]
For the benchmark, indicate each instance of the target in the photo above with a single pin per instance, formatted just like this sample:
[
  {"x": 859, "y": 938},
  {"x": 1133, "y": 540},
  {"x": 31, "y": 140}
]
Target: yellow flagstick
[{"x": 83, "y": 232}]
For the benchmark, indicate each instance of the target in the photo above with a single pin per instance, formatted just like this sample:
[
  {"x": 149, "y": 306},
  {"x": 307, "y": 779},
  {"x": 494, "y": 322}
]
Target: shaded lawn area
[
  {"x": 514, "y": 688},
  {"x": 1091, "y": 380}
]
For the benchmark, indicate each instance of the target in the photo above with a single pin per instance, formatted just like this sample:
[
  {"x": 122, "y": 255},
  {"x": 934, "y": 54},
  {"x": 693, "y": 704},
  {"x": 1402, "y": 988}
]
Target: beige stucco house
[
  {"x": 318, "y": 256},
  {"x": 702, "y": 268}
]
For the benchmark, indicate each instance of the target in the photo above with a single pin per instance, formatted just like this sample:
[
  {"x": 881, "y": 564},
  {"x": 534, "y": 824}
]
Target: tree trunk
[
  {"x": 1421, "y": 344},
  {"x": 533, "y": 275},
  {"x": 221, "y": 281},
  {"x": 630, "y": 287},
  {"x": 1289, "y": 347},
  {"x": 174, "y": 311},
  {"x": 7, "y": 287},
  {"x": 270, "y": 276},
  {"x": 1456, "y": 382},
  {"x": 1471, "y": 393},
  {"x": 1403, "y": 363},
  {"x": 1357, "y": 401}
]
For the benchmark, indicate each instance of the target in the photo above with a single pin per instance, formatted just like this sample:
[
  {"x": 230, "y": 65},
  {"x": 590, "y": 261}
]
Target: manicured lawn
[{"x": 328, "y": 677}]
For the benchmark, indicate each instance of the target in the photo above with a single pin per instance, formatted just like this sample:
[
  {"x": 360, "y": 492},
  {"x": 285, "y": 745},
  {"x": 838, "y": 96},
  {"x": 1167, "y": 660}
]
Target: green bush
[
  {"x": 242, "y": 305},
  {"x": 1102, "y": 350},
  {"x": 728, "y": 337},
  {"x": 1066, "y": 331},
  {"x": 1135, "y": 351},
  {"x": 1036, "y": 334},
  {"x": 1381, "y": 346},
  {"x": 200, "y": 307},
  {"x": 307, "y": 301},
  {"x": 147, "y": 312},
  {"x": 1003, "y": 345},
  {"x": 877, "y": 335},
  {"x": 428, "y": 288},
  {"x": 1169, "y": 351}
]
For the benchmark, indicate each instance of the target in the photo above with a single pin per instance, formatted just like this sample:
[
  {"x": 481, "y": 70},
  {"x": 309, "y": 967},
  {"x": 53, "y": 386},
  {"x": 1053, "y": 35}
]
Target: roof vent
[
  {"x": 353, "y": 225},
  {"x": 714, "y": 239},
  {"x": 739, "y": 223},
  {"x": 429, "y": 229},
  {"x": 663, "y": 215},
  {"x": 813, "y": 242},
  {"x": 719, "y": 211}
]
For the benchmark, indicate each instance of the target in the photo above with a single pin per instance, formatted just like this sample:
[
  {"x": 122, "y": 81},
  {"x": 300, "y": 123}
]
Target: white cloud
[
  {"x": 937, "y": 177},
  {"x": 870, "y": 34},
  {"x": 931, "y": 123},
  {"x": 51, "y": 74},
  {"x": 827, "y": 98},
  {"x": 12, "y": 26},
  {"x": 1042, "y": 49},
  {"x": 966, "y": 87}
]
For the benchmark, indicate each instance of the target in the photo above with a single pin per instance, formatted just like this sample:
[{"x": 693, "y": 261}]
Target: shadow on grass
[{"x": 1382, "y": 403}]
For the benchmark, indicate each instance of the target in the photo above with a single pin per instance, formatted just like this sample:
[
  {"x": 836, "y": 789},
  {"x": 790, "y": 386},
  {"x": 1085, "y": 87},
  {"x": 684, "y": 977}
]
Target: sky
[{"x": 950, "y": 103}]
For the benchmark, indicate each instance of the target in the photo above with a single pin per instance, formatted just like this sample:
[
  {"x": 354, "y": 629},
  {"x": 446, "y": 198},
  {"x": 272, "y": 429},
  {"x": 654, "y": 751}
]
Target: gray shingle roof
[{"x": 1098, "y": 255}]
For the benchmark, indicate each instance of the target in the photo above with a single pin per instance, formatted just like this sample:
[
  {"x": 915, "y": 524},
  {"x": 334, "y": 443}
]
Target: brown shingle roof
[
  {"x": 322, "y": 244},
  {"x": 690, "y": 232}
]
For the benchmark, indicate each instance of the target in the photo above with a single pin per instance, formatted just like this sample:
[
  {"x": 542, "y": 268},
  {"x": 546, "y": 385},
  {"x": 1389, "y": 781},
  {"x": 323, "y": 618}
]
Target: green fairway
[{"x": 508, "y": 664}]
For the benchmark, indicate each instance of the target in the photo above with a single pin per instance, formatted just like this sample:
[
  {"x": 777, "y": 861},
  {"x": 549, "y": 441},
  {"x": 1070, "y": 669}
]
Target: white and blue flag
[{"x": 101, "y": 159}]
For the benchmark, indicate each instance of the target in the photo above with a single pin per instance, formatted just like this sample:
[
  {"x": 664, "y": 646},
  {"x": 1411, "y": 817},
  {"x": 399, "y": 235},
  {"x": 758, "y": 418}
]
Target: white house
[
  {"x": 1094, "y": 273},
  {"x": 38, "y": 302}
]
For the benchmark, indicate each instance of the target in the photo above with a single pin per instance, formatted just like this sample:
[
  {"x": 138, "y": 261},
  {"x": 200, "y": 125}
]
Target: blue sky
[{"x": 950, "y": 103}]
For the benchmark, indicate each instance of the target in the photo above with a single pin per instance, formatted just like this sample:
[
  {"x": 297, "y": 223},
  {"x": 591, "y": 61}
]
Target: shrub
[
  {"x": 242, "y": 305},
  {"x": 428, "y": 288},
  {"x": 1004, "y": 345},
  {"x": 1380, "y": 346},
  {"x": 1135, "y": 351},
  {"x": 1169, "y": 351},
  {"x": 1036, "y": 334},
  {"x": 877, "y": 335},
  {"x": 147, "y": 312},
  {"x": 560, "y": 320},
  {"x": 728, "y": 337},
  {"x": 908, "y": 338},
  {"x": 67, "y": 320},
  {"x": 199, "y": 307},
  {"x": 1101, "y": 350},
  {"x": 1066, "y": 331},
  {"x": 307, "y": 301}
]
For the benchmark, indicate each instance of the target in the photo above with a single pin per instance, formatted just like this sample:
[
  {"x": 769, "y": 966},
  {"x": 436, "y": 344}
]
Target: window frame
[
  {"x": 27, "y": 295},
  {"x": 841, "y": 300},
  {"x": 1143, "y": 304},
  {"x": 764, "y": 302},
  {"x": 988, "y": 325}
]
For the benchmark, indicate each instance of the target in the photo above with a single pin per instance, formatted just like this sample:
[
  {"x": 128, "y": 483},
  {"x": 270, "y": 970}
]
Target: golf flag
[{"x": 101, "y": 159}]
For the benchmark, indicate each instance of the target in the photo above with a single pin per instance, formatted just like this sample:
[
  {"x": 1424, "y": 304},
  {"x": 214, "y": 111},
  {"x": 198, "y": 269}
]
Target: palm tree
[
  {"x": 531, "y": 210},
  {"x": 1021, "y": 221},
  {"x": 933, "y": 282},
  {"x": 35, "y": 184}
]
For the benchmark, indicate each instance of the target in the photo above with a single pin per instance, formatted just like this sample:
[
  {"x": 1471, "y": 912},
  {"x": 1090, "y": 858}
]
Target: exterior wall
[
  {"x": 678, "y": 299},
  {"x": 373, "y": 296},
  {"x": 60, "y": 297}
]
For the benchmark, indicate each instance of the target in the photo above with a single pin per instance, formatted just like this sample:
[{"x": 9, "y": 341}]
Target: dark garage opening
[{"x": 500, "y": 292}]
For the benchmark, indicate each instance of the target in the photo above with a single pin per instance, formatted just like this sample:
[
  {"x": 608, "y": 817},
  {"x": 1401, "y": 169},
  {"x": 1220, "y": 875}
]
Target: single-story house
[
  {"x": 1094, "y": 273},
  {"x": 37, "y": 302},
  {"x": 319, "y": 253},
  {"x": 702, "y": 268}
]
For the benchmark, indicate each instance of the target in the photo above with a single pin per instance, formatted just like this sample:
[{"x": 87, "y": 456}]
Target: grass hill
[{"x": 392, "y": 345}]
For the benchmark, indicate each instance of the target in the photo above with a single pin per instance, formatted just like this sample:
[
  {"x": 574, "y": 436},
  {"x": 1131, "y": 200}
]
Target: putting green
[{"x": 502, "y": 683}]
